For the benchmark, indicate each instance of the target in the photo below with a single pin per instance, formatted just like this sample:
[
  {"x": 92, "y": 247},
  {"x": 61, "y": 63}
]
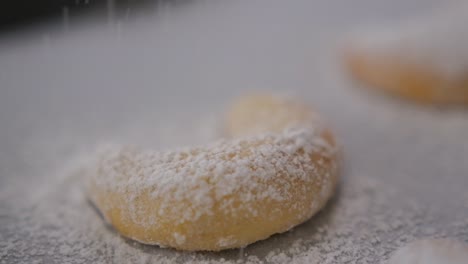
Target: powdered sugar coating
[
  {"x": 183, "y": 174},
  {"x": 288, "y": 174}
]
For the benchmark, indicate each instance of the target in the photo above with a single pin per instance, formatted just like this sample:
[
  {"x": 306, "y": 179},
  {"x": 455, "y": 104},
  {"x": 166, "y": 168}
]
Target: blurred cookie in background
[{"x": 424, "y": 60}]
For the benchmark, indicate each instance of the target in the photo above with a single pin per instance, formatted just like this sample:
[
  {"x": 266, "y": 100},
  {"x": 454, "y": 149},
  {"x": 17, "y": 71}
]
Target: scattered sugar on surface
[{"x": 364, "y": 222}]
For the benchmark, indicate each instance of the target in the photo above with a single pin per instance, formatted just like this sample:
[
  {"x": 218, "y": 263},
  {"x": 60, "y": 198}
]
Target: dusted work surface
[{"x": 157, "y": 80}]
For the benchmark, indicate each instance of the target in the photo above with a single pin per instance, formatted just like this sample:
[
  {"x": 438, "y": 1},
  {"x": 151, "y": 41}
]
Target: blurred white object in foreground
[{"x": 432, "y": 251}]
